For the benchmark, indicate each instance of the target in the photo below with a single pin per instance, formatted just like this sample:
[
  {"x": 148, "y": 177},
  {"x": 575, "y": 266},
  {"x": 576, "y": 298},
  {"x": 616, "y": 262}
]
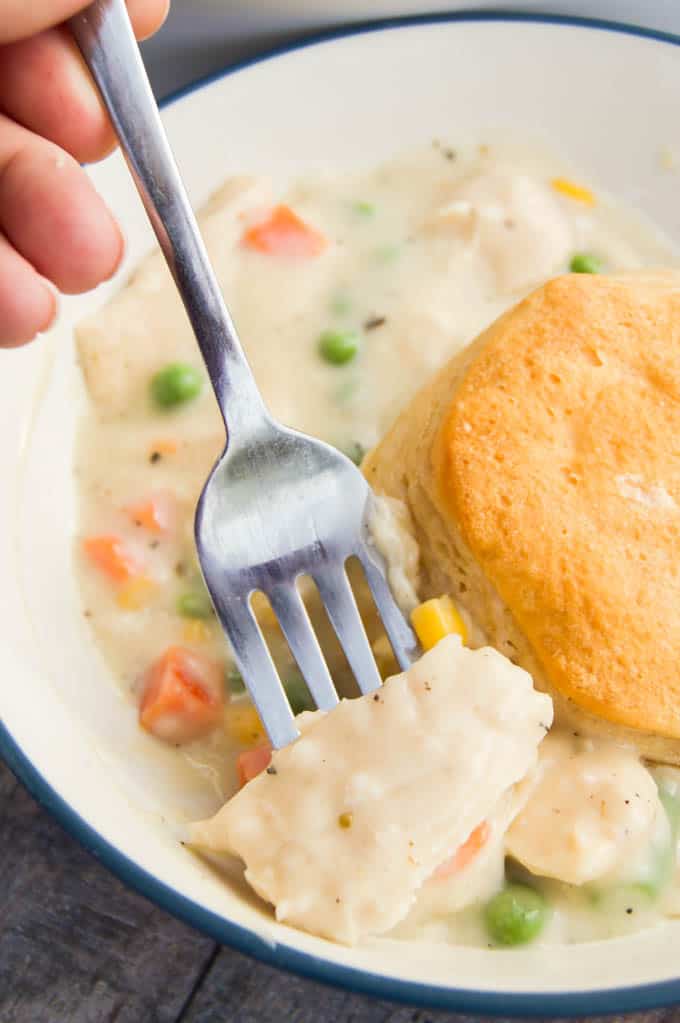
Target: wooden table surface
[{"x": 76, "y": 946}]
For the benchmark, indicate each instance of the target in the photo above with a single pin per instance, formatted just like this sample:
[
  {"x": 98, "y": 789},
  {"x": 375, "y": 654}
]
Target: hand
[{"x": 53, "y": 224}]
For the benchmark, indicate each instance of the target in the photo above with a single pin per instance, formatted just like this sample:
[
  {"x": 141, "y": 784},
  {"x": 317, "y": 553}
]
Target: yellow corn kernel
[
  {"x": 195, "y": 631},
  {"x": 242, "y": 723},
  {"x": 435, "y": 619},
  {"x": 573, "y": 191},
  {"x": 384, "y": 658},
  {"x": 136, "y": 593}
]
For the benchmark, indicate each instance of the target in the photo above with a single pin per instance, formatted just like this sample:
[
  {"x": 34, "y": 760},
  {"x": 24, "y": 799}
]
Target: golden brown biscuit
[{"x": 542, "y": 471}]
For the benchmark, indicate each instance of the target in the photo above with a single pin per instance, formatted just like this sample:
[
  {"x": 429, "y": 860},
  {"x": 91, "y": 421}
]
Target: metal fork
[{"x": 277, "y": 504}]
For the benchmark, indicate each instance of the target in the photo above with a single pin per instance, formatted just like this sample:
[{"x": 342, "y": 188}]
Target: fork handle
[{"x": 105, "y": 38}]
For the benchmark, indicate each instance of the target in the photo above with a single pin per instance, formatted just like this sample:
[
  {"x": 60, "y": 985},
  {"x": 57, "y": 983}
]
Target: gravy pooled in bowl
[{"x": 348, "y": 293}]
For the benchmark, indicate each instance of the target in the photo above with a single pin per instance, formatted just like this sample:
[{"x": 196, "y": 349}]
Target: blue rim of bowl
[{"x": 490, "y": 1003}]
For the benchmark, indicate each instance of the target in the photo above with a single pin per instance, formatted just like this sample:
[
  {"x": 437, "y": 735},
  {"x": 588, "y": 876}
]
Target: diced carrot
[
  {"x": 164, "y": 446},
  {"x": 252, "y": 762},
  {"x": 182, "y": 696},
  {"x": 465, "y": 853},
  {"x": 109, "y": 554},
  {"x": 283, "y": 233},
  {"x": 156, "y": 513}
]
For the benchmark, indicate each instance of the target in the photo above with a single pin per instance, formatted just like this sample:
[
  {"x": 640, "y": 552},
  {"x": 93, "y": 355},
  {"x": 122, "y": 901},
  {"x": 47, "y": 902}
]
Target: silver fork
[{"x": 277, "y": 504}]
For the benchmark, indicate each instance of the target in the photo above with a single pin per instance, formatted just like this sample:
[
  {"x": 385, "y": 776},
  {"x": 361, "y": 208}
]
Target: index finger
[{"x": 19, "y": 19}]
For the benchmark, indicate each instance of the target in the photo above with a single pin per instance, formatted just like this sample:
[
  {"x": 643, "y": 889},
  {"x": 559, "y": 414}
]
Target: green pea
[
  {"x": 298, "y": 694},
  {"x": 387, "y": 253},
  {"x": 516, "y": 915},
  {"x": 355, "y": 451},
  {"x": 236, "y": 683},
  {"x": 363, "y": 208},
  {"x": 671, "y": 804},
  {"x": 175, "y": 384},
  {"x": 585, "y": 263},
  {"x": 338, "y": 346},
  {"x": 662, "y": 862},
  {"x": 194, "y": 604}
]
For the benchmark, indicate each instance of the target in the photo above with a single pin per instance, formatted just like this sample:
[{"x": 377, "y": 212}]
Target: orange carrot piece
[
  {"x": 182, "y": 696},
  {"x": 156, "y": 513},
  {"x": 283, "y": 233},
  {"x": 164, "y": 446},
  {"x": 465, "y": 853},
  {"x": 109, "y": 554},
  {"x": 252, "y": 762}
]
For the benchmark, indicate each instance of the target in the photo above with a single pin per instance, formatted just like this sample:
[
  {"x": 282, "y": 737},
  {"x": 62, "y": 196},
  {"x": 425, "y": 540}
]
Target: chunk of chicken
[
  {"x": 590, "y": 813},
  {"x": 349, "y": 821},
  {"x": 515, "y": 224}
]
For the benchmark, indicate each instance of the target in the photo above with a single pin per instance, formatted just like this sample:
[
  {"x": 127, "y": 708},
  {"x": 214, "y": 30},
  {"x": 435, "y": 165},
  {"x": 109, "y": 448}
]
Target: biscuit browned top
[{"x": 559, "y": 459}]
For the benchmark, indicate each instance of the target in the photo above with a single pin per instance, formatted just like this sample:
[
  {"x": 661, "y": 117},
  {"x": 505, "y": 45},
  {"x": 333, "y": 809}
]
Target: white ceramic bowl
[{"x": 606, "y": 99}]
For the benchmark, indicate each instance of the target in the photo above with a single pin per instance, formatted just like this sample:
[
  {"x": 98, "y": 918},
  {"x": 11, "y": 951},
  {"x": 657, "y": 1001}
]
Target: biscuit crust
[{"x": 542, "y": 470}]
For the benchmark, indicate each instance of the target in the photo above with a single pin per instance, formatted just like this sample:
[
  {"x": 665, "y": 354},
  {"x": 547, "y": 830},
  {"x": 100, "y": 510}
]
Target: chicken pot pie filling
[{"x": 448, "y": 806}]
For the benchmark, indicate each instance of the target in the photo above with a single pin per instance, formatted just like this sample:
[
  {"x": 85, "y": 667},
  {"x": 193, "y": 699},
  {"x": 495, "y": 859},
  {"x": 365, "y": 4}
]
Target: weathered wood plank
[
  {"x": 241, "y": 991},
  {"x": 75, "y": 945}
]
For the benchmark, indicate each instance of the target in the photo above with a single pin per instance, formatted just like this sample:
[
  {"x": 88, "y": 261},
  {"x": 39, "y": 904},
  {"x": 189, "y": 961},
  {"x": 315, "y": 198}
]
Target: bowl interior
[{"x": 603, "y": 100}]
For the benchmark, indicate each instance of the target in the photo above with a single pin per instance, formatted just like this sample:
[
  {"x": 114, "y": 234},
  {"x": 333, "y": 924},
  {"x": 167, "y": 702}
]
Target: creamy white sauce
[{"x": 422, "y": 254}]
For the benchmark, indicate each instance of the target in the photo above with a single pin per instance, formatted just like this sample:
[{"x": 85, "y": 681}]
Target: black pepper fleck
[
  {"x": 272, "y": 770},
  {"x": 629, "y": 910},
  {"x": 374, "y": 321},
  {"x": 376, "y": 698},
  {"x": 154, "y": 457},
  {"x": 449, "y": 154},
  {"x": 154, "y": 544}
]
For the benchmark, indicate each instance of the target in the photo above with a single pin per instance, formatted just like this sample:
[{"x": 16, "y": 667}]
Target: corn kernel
[
  {"x": 435, "y": 619},
  {"x": 136, "y": 593},
  {"x": 573, "y": 191},
  {"x": 196, "y": 631},
  {"x": 242, "y": 723}
]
